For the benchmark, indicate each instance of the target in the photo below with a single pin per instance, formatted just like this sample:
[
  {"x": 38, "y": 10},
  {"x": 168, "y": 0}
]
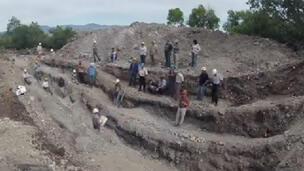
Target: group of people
[
  {"x": 171, "y": 53},
  {"x": 171, "y": 84}
]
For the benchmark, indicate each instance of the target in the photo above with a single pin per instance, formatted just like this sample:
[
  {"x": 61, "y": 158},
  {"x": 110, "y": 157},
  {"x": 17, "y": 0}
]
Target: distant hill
[{"x": 87, "y": 27}]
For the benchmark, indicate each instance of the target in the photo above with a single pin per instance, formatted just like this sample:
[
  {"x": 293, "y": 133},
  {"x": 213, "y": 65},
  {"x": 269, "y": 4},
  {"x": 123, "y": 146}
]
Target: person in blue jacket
[
  {"x": 92, "y": 74},
  {"x": 133, "y": 71}
]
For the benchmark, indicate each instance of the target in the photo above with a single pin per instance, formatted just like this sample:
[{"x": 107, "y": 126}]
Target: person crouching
[{"x": 45, "y": 85}]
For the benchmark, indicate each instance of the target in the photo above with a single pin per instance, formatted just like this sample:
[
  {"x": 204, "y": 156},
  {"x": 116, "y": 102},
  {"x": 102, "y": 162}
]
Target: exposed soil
[{"x": 256, "y": 126}]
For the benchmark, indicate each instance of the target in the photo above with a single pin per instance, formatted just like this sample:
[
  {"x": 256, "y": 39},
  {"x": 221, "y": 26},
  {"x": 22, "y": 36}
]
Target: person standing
[
  {"x": 175, "y": 53},
  {"x": 74, "y": 76},
  {"x": 194, "y": 53},
  {"x": 36, "y": 69},
  {"x": 143, "y": 72},
  {"x": 203, "y": 80},
  {"x": 143, "y": 52},
  {"x": 216, "y": 80},
  {"x": 53, "y": 53},
  {"x": 182, "y": 108},
  {"x": 81, "y": 71},
  {"x": 133, "y": 71},
  {"x": 118, "y": 93},
  {"x": 92, "y": 74},
  {"x": 179, "y": 82},
  {"x": 153, "y": 52},
  {"x": 95, "y": 52},
  {"x": 39, "y": 49},
  {"x": 168, "y": 53},
  {"x": 113, "y": 55}
]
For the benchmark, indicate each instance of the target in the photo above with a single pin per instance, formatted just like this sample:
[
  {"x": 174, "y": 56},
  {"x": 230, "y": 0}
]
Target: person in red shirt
[{"x": 182, "y": 108}]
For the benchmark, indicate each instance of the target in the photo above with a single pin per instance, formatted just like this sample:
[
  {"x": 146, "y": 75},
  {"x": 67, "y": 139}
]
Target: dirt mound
[
  {"x": 12, "y": 108},
  {"x": 284, "y": 82},
  {"x": 230, "y": 54}
]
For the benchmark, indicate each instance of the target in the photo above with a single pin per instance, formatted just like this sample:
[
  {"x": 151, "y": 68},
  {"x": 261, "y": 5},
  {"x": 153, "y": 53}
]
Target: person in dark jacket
[
  {"x": 95, "y": 52},
  {"x": 171, "y": 81},
  {"x": 182, "y": 108},
  {"x": 175, "y": 53},
  {"x": 168, "y": 53},
  {"x": 133, "y": 71},
  {"x": 203, "y": 80}
]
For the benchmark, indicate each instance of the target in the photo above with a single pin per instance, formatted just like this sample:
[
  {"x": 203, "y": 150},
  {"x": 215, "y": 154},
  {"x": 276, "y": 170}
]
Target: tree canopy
[
  {"x": 175, "y": 16},
  {"x": 202, "y": 17},
  {"x": 282, "y": 20},
  {"x": 20, "y": 36},
  {"x": 12, "y": 24}
]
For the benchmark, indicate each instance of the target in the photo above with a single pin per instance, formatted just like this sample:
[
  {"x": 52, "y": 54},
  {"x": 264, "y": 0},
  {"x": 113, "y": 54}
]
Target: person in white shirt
[
  {"x": 53, "y": 53},
  {"x": 217, "y": 78},
  {"x": 143, "y": 72},
  {"x": 45, "y": 85},
  {"x": 194, "y": 53},
  {"x": 143, "y": 53},
  {"x": 39, "y": 49}
]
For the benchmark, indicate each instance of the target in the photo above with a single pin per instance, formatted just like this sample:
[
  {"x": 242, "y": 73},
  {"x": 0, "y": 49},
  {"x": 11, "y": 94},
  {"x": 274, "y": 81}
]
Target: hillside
[{"x": 87, "y": 27}]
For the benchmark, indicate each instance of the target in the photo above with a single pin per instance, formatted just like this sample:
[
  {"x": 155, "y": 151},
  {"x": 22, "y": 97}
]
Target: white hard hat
[
  {"x": 95, "y": 41},
  {"x": 92, "y": 64},
  {"x": 40, "y": 44},
  {"x": 117, "y": 81},
  {"x": 95, "y": 110},
  {"x": 214, "y": 71},
  {"x": 74, "y": 70},
  {"x": 52, "y": 50},
  {"x": 142, "y": 43},
  {"x": 25, "y": 70},
  {"x": 204, "y": 69}
]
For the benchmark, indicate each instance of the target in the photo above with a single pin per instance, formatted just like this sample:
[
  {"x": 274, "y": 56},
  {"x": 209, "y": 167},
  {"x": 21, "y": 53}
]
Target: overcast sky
[{"x": 109, "y": 12}]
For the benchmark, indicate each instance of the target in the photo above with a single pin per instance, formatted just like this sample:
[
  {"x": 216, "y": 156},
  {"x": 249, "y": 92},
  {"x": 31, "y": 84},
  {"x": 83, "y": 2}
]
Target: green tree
[
  {"x": 212, "y": 21},
  {"x": 282, "y": 20},
  {"x": 59, "y": 37},
  {"x": 175, "y": 16},
  {"x": 202, "y": 17},
  {"x": 28, "y": 36},
  {"x": 12, "y": 24}
]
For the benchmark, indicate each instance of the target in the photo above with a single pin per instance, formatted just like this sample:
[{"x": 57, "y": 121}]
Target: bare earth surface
[{"x": 257, "y": 126}]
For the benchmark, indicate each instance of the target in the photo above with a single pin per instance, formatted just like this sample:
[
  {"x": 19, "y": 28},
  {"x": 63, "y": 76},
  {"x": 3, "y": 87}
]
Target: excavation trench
[
  {"x": 285, "y": 81},
  {"x": 11, "y": 107},
  {"x": 266, "y": 121},
  {"x": 185, "y": 153},
  {"x": 260, "y": 119}
]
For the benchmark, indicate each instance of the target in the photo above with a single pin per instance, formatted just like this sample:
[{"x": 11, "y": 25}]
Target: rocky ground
[{"x": 256, "y": 126}]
